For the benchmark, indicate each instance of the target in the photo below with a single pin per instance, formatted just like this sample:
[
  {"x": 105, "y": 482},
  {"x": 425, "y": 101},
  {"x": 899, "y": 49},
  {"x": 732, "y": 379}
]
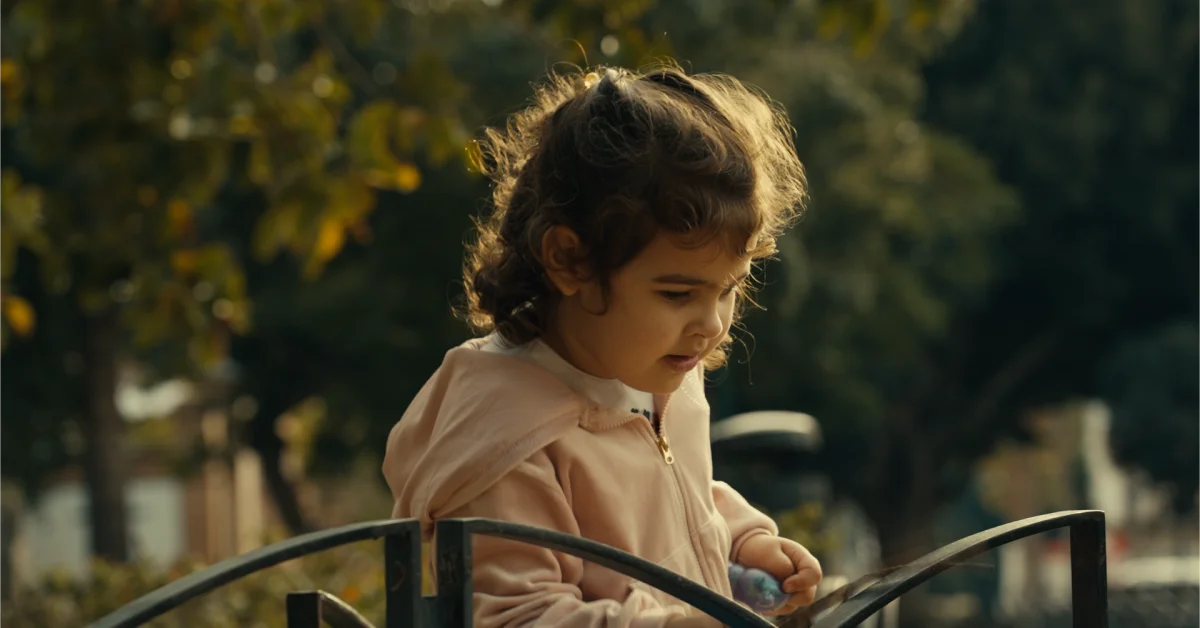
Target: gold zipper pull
[{"x": 665, "y": 448}]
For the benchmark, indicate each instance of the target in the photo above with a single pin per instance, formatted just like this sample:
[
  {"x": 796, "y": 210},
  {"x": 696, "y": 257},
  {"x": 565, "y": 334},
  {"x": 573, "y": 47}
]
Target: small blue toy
[{"x": 756, "y": 588}]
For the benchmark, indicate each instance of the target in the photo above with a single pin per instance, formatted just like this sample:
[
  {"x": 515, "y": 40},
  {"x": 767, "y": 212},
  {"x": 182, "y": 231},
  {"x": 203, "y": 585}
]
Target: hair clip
[{"x": 590, "y": 79}]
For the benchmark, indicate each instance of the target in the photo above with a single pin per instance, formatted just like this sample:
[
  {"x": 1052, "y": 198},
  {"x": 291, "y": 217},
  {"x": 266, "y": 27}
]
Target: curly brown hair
[{"x": 618, "y": 157}]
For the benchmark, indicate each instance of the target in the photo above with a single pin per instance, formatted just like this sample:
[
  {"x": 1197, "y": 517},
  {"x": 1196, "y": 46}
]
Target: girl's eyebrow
[{"x": 689, "y": 280}]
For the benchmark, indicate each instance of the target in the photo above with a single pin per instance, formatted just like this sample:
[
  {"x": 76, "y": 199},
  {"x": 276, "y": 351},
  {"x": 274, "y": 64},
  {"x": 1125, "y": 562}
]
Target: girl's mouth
[{"x": 681, "y": 363}]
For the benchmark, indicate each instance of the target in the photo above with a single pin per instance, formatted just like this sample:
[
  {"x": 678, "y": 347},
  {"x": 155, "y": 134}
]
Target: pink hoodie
[{"x": 494, "y": 436}]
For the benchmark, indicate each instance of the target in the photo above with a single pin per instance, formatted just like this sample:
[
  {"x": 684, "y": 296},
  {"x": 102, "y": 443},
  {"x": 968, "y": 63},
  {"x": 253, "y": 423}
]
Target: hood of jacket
[{"x": 479, "y": 416}]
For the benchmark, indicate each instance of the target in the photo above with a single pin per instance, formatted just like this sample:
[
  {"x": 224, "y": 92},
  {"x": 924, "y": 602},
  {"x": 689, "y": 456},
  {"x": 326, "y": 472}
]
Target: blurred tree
[
  {"x": 228, "y": 134},
  {"x": 42, "y": 385},
  {"x": 1091, "y": 117},
  {"x": 124, "y": 123},
  {"x": 1152, "y": 383},
  {"x": 909, "y": 315}
]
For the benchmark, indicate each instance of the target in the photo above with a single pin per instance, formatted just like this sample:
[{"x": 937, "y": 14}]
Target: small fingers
[
  {"x": 805, "y": 597},
  {"x": 788, "y": 609},
  {"x": 778, "y": 564},
  {"x": 795, "y": 602},
  {"x": 801, "y": 558},
  {"x": 801, "y": 580}
]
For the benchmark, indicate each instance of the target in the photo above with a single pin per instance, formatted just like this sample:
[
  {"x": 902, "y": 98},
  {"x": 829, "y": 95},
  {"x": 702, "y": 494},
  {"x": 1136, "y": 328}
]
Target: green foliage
[
  {"x": 354, "y": 573},
  {"x": 1090, "y": 120},
  {"x": 44, "y": 392},
  {"x": 807, "y": 525},
  {"x": 138, "y": 138},
  {"x": 942, "y": 284},
  {"x": 192, "y": 98}
]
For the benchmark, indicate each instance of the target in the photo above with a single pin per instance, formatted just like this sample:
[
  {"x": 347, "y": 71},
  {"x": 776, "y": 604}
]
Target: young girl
[{"x": 628, "y": 212}]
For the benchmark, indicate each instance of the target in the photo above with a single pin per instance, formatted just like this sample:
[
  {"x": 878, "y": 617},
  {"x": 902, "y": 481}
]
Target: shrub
[{"x": 353, "y": 573}]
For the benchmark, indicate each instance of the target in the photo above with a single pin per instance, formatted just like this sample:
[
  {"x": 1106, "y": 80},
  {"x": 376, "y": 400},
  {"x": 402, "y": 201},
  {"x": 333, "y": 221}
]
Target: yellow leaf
[
  {"x": 19, "y": 314},
  {"x": 179, "y": 217},
  {"x": 330, "y": 239},
  {"x": 348, "y": 199},
  {"x": 184, "y": 262},
  {"x": 276, "y": 229},
  {"x": 408, "y": 177},
  {"x": 377, "y": 179},
  {"x": 473, "y": 158},
  {"x": 367, "y": 136},
  {"x": 445, "y": 136},
  {"x": 831, "y": 21},
  {"x": 242, "y": 125},
  {"x": 919, "y": 18},
  {"x": 8, "y": 70}
]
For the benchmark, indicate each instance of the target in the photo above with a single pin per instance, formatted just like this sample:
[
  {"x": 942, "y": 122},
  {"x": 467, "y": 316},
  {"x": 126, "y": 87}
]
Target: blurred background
[{"x": 231, "y": 239}]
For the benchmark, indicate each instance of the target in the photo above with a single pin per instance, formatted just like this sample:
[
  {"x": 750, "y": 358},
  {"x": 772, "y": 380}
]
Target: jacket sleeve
[
  {"x": 518, "y": 585},
  {"x": 743, "y": 519}
]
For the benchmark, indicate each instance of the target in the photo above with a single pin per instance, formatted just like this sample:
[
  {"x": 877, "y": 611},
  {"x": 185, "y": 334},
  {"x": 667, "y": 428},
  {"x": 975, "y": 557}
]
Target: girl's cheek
[{"x": 727, "y": 316}]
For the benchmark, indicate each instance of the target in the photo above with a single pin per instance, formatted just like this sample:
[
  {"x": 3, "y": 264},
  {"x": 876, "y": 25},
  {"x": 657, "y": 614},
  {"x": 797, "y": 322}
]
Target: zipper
[{"x": 664, "y": 447}]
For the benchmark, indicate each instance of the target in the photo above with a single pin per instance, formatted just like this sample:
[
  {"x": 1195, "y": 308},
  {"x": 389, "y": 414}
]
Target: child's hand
[{"x": 794, "y": 566}]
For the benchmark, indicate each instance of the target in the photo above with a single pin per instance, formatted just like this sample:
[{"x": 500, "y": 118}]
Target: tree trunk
[
  {"x": 282, "y": 491},
  {"x": 903, "y": 511},
  {"x": 269, "y": 446},
  {"x": 104, "y": 461}
]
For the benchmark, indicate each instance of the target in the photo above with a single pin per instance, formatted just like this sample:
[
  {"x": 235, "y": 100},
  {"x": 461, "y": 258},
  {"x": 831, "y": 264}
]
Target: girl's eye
[
  {"x": 671, "y": 295},
  {"x": 729, "y": 291}
]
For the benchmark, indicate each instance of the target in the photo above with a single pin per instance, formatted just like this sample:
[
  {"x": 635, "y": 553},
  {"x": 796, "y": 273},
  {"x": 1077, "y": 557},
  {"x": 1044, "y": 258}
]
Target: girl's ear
[{"x": 562, "y": 257}]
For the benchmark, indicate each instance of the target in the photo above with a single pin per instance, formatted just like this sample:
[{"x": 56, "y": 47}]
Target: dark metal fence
[{"x": 451, "y": 606}]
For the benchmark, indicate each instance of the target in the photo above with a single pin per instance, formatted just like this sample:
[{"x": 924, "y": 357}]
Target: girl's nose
[{"x": 710, "y": 324}]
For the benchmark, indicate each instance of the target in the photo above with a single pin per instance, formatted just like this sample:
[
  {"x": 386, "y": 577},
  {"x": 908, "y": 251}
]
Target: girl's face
[{"x": 665, "y": 311}]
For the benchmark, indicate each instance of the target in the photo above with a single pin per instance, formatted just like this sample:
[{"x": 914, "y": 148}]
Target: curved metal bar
[
  {"x": 1088, "y": 585},
  {"x": 1087, "y": 561},
  {"x": 176, "y": 593},
  {"x": 718, "y": 606},
  {"x": 339, "y": 614},
  {"x": 312, "y": 608}
]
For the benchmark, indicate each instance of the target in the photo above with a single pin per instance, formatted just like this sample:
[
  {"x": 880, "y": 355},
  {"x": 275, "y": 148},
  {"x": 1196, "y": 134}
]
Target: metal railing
[
  {"x": 452, "y": 606},
  {"x": 1089, "y": 572},
  {"x": 311, "y": 609}
]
